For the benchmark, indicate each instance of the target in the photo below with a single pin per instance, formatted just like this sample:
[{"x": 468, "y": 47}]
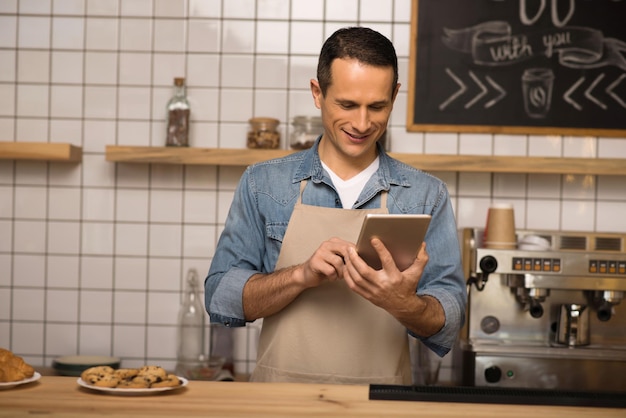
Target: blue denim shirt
[{"x": 262, "y": 206}]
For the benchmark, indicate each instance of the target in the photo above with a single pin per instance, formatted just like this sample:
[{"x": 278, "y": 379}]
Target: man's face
[{"x": 356, "y": 108}]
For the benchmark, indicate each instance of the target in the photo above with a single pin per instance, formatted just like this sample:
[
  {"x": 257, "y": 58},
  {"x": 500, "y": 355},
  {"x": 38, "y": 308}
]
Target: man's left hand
[{"x": 388, "y": 287}]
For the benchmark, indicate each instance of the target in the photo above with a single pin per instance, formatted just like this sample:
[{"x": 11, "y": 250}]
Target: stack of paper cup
[{"x": 500, "y": 230}]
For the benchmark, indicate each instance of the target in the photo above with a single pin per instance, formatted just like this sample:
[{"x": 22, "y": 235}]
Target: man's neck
[{"x": 344, "y": 165}]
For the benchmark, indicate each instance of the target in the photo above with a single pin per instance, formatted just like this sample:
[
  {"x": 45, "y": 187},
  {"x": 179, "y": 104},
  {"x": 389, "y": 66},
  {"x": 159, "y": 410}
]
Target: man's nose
[{"x": 362, "y": 122}]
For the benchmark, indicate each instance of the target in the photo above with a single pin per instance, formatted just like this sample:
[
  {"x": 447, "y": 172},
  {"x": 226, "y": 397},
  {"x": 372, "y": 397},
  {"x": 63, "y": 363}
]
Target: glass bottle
[
  {"x": 178, "y": 110},
  {"x": 263, "y": 133},
  {"x": 190, "y": 355},
  {"x": 306, "y": 129}
]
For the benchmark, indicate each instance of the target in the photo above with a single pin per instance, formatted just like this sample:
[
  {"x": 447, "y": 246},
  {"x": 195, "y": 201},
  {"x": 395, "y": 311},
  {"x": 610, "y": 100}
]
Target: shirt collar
[{"x": 388, "y": 172}]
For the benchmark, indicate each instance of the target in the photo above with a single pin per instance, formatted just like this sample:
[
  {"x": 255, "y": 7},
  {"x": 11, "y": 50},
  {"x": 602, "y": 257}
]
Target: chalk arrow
[
  {"x": 461, "y": 90},
  {"x": 483, "y": 91},
  {"x": 611, "y": 93},
  {"x": 591, "y": 87},
  {"x": 497, "y": 87},
  {"x": 567, "y": 96}
]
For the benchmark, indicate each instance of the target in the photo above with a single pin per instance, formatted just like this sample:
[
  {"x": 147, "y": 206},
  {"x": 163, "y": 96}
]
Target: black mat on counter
[{"x": 497, "y": 395}]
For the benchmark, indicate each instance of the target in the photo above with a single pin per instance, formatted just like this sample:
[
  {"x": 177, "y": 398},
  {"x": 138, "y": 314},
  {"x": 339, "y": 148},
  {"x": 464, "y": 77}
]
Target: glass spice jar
[
  {"x": 306, "y": 130},
  {"x": 178, "y": 116},
  {"x": 263, "y": 133}
]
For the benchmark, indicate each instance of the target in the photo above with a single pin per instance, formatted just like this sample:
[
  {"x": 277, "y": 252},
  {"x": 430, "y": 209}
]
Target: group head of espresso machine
[{"x": 546, "y": 316}]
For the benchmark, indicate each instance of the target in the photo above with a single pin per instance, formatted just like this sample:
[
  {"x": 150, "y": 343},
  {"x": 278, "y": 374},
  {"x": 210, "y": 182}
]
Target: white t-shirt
[{"x": 349, "y": 190}]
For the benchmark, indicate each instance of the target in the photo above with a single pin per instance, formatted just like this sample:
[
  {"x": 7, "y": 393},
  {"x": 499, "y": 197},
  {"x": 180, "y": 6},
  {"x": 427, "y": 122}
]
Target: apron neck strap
[
  {"x": 302, "y": 186},
  {"x": 383, "y": 197}
]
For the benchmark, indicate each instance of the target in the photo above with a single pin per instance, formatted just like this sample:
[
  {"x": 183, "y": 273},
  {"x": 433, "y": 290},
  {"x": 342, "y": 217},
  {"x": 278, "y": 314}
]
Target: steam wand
[{"x": 488, "y": 264}]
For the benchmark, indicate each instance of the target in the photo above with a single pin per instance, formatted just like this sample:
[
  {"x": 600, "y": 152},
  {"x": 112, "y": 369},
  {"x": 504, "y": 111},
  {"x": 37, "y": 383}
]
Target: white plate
[
  {"x": 9, "y": 385},
  {"x": 132, "y": 392}
]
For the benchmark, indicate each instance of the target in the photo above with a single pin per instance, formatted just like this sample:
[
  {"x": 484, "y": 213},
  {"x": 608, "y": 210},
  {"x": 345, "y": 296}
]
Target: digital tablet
[{"x": 401, "y": 234}]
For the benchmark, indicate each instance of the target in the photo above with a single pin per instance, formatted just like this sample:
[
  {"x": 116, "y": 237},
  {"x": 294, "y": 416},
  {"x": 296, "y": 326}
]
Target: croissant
[{"x": 13, "y": 368}]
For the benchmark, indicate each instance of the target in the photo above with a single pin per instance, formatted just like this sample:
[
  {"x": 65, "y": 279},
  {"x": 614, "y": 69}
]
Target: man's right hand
[
  {"x": 266, "y": 294},
  {"x": 326, "y": 263}
]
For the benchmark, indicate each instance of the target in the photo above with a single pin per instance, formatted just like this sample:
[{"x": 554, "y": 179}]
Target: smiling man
[{"x": 287, "y": 252}]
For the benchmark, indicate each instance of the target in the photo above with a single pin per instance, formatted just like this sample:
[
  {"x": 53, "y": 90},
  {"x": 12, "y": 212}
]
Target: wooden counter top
[{"x": 58, "y": 396}]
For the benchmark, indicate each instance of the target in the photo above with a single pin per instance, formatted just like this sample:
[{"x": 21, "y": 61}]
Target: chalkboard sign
[{"x": 518, "y": 66}]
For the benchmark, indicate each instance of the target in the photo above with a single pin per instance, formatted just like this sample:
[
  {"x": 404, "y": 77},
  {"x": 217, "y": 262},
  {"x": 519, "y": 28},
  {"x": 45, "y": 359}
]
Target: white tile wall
[
  {"x": 68, "y": 33},
  {"x": 34, "y": 6},
  {"x": 611, "y": 148},
  {"x": 8, "y": 26},
  {"x": 8, "y": 6},
  {"x": 33, "y": 32},
  {"x": 170, "y": 8},
  {"x": 92, "y": 255},
  {"x": 70, "y": 7},
  {"x": 63, "y": 271},
  {"x": 101, "y": 7}
]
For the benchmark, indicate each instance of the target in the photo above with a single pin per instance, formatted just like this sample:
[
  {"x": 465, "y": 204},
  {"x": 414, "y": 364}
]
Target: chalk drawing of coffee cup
[{"x": 537, "y": 88}]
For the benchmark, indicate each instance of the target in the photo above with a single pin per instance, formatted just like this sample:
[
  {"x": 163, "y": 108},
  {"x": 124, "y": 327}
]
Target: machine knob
[
  {"x": 493, "y": 374},
  {"x": 488, "y": 264}
]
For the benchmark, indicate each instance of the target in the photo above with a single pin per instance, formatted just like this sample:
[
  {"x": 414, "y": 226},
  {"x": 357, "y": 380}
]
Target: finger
[
  {"x": 319, "y": 270},
  {"x": 338, "y": 263},
  {"x": 386, "y": 259},
  {"x": 356, "y": 264},
  {"x": 347, "y": 277},
  {"x": 420, "y": 261},
  {"x": 422, "y": 255},
  {"x": 334, "y": 248},
  {"x": 356, "y": 281}
]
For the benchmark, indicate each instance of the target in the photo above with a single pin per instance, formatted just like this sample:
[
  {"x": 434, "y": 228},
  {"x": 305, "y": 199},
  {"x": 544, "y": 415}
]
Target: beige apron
[{"x": 329, "y": 334}]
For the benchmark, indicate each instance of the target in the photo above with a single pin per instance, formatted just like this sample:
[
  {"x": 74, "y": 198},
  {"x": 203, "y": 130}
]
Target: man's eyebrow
[{"x": 352, "y": 102}]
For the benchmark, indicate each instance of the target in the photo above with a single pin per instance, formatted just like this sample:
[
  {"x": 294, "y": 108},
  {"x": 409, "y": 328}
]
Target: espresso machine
[{"x": 545, "y": 316}]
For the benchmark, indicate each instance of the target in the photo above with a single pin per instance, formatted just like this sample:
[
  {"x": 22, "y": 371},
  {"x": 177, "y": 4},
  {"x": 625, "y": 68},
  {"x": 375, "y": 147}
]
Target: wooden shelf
[
  {"x": 463, "y": 163},
  {"x": 40, "y": 151},
  {"x": 190, "y": 156}
]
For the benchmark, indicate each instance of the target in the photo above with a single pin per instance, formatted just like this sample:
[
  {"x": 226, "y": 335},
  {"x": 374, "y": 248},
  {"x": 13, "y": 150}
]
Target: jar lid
[
  {"x": 264, "y": 120},
  {"x": 307, "y": 120}
]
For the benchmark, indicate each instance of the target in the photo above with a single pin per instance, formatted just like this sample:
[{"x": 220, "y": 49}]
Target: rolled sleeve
[
  {"x": 441, "y": 342},
  {"x": 225, "y": 305},
  {"x": 238, "y": 256}
]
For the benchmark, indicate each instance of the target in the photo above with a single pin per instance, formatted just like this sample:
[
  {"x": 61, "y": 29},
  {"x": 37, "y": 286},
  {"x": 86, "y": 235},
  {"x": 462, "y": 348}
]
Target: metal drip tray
[
  {"x": 541, "y": 350},
  {"x": 498, "y": 395}
]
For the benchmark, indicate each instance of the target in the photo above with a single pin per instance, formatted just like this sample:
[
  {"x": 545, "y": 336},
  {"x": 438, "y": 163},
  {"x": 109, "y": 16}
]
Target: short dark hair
[{"x": 360, "y": 43}]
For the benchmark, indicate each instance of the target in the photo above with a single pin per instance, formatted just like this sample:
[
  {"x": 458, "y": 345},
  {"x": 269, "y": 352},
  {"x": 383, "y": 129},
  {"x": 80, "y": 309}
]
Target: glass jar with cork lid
[
  {"x": 263, "y": 133},
  {"x": 306, "y": 130}
]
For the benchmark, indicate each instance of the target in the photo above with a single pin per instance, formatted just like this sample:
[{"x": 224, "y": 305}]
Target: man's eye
[{"x": 346, "y": 105}]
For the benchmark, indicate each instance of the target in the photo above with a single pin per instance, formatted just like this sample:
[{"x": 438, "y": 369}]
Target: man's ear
[
  {"x": 395, "y": 93},
  {"x": 316, "y": 91}
]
